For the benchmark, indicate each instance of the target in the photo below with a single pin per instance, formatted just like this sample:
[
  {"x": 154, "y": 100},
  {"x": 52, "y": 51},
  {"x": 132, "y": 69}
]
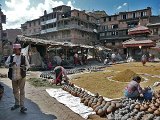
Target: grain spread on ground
[{"x": 124, "y": 76}]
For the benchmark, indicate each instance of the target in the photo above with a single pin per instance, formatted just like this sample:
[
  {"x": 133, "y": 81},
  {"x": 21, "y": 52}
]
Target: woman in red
[
  {"x": 76, "y": 59},
  {"x": 50, "y": 66}
]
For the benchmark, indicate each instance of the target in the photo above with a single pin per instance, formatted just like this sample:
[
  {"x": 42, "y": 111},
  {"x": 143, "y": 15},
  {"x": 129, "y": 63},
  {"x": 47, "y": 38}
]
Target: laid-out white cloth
[{"x": 70, "y": 101}]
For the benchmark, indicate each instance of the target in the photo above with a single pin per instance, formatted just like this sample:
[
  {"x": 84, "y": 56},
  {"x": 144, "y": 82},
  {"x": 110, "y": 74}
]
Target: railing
[
  {"x": 75, "y": 26},
  {"x": 49, "y": 30},
  {"x": 113, "y": 29},
  {"x": 49, "y": 21}
]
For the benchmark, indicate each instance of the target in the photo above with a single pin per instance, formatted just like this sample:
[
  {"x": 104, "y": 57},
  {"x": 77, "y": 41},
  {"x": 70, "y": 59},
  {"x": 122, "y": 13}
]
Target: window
[
  {"x": 65, "y": 22},
  {"x": 155, "y": 31},
  {"x": 132, "y": 24},
  {"x": 113, "y": 33},
  {"x": 29, "y": 24},
  {"x": 4, "y": 34},
  {"x": 87, "y": 17},
  {"x": 116, "y": 33},
  {"x": 141, "y": 14},
  {"x": 114, "y": 26},
  {"x": 126, "y": 32},
  {"x": 82, "y": 34},
  {"x": 97, "y": 21},
  {"x": 102, "y": 27},
  {"x": 124, "y": 16},
  {"x": 78, "y": 22},
  {"x": 109, "y": 19},
  {"x": 115, "y": 17},
  {"x": 102, "y": 34},
  {"x": 109, "y": 33},
  {"x": 106, "y": 27},
  {"x": 43, "y": 27},
  {"x": 134, "y": 15},
  {"x": 104, "y": 20},
  {"x": 50, "y": 25},
  {"x": 113, "y": 43},
  {"x": 78, "y": 14},
  {"x": 54, "y": 24},
  {"x": 55, "y": 15}
]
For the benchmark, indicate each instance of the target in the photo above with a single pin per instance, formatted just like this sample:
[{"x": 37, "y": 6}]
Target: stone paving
[{"x": 40, "y": 105}]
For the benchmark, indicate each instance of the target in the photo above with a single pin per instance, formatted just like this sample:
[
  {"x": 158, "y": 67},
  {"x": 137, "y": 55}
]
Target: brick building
[
  {"x": 113, "y": 29},
  {"x": 32, "y": 27},
  {"x": 63, "y": 24},
  {"x": 9, "y": 36}
]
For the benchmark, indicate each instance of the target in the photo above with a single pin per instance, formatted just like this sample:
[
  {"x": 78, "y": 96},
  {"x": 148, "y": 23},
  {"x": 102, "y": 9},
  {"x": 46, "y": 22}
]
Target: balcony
[
  {"x": 75, "y": 27},
  {"x": 49, "y": 21},
  {"x": 48, "y": 30},
  {"x": 113, "y": 29}
]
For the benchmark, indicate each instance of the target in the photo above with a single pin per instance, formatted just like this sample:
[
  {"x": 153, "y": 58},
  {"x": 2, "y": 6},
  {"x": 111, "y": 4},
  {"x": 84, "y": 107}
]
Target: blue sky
[{"x": 19, "y": 11}]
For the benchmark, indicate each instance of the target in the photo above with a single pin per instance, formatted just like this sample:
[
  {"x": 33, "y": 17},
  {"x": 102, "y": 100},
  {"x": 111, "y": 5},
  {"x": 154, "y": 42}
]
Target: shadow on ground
[{"x": 33, "y": 113}]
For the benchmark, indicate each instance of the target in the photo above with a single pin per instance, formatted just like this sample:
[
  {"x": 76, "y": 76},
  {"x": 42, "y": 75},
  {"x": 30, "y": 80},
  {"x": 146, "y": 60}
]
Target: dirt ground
[{"x": 100, "y": 82}]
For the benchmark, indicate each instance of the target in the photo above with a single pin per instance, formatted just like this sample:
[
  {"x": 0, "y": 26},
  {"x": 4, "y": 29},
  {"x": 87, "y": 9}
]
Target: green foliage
[{"x": 38, "y": 82}]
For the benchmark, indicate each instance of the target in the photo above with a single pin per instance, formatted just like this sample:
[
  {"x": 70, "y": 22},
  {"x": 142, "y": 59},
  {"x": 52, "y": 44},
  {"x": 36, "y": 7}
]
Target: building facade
[
  {"x": 113, "y": 29},
  {"x": 154, "y": 25},
  {"x": 32, "y": 27},
  {"x": 63, "y": 25},
  {"x": 9, "y": 36}
]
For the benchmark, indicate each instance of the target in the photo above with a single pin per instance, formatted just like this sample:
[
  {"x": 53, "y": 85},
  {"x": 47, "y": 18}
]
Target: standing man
[
  {"x": 144, "y": 59},
  {"x": 18, "y": 65},
  {"x": 76, "y": 59}
]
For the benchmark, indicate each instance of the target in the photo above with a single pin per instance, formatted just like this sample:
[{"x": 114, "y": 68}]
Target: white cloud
[
  {"x": 124, "y": 4},
  {"x": 119, "y": 7},
  {"x": 71, "y": 5},
  {"x": 20, "y": 11}
]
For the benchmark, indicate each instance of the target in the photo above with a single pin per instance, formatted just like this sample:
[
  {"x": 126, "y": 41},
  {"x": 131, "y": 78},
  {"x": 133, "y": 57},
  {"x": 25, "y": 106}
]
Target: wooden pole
[{"x": 66, "y": 53}]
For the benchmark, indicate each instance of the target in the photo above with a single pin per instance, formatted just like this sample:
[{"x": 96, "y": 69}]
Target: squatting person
[{"x": 133, "y": 89}]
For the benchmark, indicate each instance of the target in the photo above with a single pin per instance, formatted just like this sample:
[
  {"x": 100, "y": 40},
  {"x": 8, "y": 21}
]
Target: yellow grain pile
[{"x": 124, "y": 76}]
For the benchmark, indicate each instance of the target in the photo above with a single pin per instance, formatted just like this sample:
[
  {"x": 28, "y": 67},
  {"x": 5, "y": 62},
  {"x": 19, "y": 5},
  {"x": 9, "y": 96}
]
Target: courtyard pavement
[{"x": 40, "y": 105}]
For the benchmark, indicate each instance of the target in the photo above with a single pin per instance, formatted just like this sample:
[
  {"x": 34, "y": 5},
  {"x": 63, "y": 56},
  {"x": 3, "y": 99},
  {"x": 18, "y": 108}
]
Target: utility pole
[
  {"x": 128, "y": 6},
  {"x": 2, "y": 20}
]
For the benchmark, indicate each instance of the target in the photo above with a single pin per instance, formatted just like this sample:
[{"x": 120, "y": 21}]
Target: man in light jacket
[{"x": 18, "y": 65}]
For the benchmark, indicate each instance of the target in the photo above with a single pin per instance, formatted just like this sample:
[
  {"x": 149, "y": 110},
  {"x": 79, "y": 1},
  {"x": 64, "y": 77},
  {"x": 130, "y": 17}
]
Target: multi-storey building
[
  {"x": 9, "y": 36},
  {"x": 154, "y": 25},
  {"x": 63, "y": 24},
  {"x": 32, "y": 27},
  {"x": 113, "y": 29}
]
